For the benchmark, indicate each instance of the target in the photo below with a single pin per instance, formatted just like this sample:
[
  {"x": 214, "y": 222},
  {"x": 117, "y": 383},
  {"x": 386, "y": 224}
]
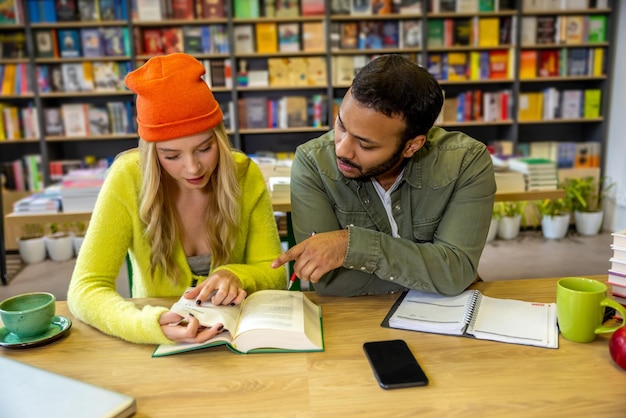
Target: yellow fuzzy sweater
[{"x": 115, "y": 230}]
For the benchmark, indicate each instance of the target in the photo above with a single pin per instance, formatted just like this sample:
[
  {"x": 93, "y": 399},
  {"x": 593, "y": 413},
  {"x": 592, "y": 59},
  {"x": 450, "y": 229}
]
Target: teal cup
[{"x": 29, "y": 314}]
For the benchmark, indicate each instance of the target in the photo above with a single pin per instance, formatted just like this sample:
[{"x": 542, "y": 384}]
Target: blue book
[
  {"x": 33, "y": 11},
  {"x": 69, "y": 43},
  {"x": 47, "y": 11},
  {"x": 91, "y": 42},
  {"x": 108, "y": 10}
]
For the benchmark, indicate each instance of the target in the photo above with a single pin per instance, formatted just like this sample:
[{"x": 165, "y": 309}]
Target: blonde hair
[{"x": 158, "y": 212}]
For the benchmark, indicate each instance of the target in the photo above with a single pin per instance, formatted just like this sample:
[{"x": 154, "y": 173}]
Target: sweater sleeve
[{"x": 92, "y": 295}]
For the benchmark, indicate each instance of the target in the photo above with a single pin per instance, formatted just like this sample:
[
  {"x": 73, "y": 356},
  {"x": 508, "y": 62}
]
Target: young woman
[{"x": 187, "y": 209}]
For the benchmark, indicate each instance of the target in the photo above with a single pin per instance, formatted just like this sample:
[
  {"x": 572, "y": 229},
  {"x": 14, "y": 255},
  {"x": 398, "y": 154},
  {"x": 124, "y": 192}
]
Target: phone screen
[{"x": 394, "y": 365}]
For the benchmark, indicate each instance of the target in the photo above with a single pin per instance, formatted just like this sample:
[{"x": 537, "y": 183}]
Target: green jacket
[
  {"x": 442, "y": 207},
  {"x": 115, "y": 230}
]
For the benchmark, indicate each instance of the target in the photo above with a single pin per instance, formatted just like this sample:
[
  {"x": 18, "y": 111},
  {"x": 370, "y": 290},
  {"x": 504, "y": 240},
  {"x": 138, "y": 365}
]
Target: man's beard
[{"x": 376, "y": 170}]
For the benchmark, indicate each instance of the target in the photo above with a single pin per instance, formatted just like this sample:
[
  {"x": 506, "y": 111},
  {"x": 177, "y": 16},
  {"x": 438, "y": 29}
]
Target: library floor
[{"x": 527, "y": 256}]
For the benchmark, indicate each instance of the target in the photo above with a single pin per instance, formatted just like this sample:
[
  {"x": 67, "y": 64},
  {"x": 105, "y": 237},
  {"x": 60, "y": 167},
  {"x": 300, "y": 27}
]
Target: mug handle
[{"x": 618, "y": 307}]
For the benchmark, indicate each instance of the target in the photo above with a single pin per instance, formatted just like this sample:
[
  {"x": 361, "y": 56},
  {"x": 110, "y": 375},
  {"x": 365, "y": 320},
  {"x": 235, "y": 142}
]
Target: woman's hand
[
  {"x": 189, "y": 331},
  {"x": 221, "y": 288}
]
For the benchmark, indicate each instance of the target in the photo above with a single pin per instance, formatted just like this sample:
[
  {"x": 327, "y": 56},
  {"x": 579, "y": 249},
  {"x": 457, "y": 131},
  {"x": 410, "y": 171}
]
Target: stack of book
[
  {"x": 617, "y": 272},
  {"x": 48, "y": 201},
  {"x": 539, "y": 173},
  {"x": 80, "y": 188}
]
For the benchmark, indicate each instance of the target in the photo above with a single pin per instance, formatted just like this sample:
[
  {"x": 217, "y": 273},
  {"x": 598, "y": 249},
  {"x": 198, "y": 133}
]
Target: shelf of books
[{"x": 516, "y": 71}]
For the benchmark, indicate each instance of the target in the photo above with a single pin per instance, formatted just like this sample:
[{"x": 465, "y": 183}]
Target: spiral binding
[{"x": 472, "y": 303}]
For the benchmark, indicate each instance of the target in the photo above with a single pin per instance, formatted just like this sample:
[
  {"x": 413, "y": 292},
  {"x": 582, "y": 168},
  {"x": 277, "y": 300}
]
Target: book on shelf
[
  {"x": 69, "y": 43},
  {"x": 297, "y": 112},
  {"x": 213, "y": 9},
  {"x": 410, "y": 34},
  {"x": 572, "y": 29},
  {"x": 390, "y": 31},
  {"x": 488, "y": 31},
  {"x": 106, "y": 75},
  {"x": 88, "y": 11},
  {"x": 546, "y": 29},
  {"x": 91, "y": 42},
  {"x": 38, "y": 203},
  {"x": 548, "y": 63},
  {"x": 98, "y": 118},
  {"x": 183, "y": 9},
  {"x": 349, "y": 35},
  {"x": 528, "y": 63},
  {"x": 297, "y": 71},
  {"x": 266, "y": 321},
  {"x": 244, "y": 39},
  {"x": 115, "y": 41},
  {"x": 75, "y": 119},
  {"x": 287, "y": 8},
  {"x": 73, "y": 77},
  {"x": 466, "y": 6},
  {"x": 66, "y": 10},
  {"x": 313, "y": 37},
  {"x": 53, "y": 121},
  {"x": 266, "y": 36},
  {"x": 152, "y": 41},
  {"x": 107, "y": 9},
  {"x": 529, "y": 31},
  {"x": 172, "y": 40},
  {"x": 435, "y": 33},
  {"x": 289, "y": 37},
  {"x": 472, "y": 314},
  {"x": 370, "y": 35},
  {"x": 192, "y": 39},
  {"x": 149, "y": 10},
  {"x": 571, "y": 103},
  {"x": 246, "y": 9},
  {"x": 258, "y": 73},
  {"x": 596, "y": 28},
  {"x": 529, "y": 165},
  {"x": 592, "y": 98},
  {"x": 499, "y": 64},
  {"x": 458, "y": 66},
  {"x": 461, "y": 32},
  {"x": 256, "y": 112},
  {"x": 530, "y": 106},
  {"x": 46, "y": 44},
  {"x": 313, "y": 7},
  {"x": 316, "y": 71},
  {"x": 360, "y": 8}
]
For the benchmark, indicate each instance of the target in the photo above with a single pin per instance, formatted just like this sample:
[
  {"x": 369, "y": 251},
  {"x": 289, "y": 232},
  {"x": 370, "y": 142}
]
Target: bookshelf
[{"x": 431, "y": 33}]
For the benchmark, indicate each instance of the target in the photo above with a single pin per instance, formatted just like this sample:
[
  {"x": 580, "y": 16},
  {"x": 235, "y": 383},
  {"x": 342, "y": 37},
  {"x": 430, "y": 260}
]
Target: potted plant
[
  {"x": 31, "y": 244},
  {"x": 555, "y": 217},
  {"x": 79, "y": 229},
  {"x": 59, "y": 242},
  {"x": 585, "y": 197},
  {"x": 511, "y": 218}
]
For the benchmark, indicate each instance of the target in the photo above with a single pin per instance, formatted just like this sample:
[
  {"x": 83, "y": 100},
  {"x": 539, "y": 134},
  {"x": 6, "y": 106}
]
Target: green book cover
[
  {"x": 596, "y": 31},
  {"x": 434, "y": 33}
]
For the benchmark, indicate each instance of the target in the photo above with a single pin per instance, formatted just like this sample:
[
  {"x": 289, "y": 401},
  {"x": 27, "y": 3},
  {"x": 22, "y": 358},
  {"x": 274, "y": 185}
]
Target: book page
[
  {"x": 279, "y": 319},
  {"x": 515, "y": 321},
  {"x": 420, "y": 311},
  {"x": 209, "y": 314}
]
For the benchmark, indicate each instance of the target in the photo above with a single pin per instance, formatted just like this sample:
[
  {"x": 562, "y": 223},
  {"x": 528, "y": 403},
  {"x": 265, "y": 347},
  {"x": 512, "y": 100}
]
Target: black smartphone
[{"x": 394, "y": 365}]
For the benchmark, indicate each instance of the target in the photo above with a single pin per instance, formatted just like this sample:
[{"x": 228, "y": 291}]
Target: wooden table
[{"x": 467, "y": 377}]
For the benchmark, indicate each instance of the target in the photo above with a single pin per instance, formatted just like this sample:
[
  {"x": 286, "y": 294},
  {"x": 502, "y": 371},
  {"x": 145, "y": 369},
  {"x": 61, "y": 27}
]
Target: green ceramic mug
[
  {"x": 29, "y": 314},
  {"x": 580, "y": 304}
]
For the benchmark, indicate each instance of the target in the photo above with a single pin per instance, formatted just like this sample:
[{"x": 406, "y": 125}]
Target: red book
[
  {"x": 213, "y": 9},
  {"x": 548, "y": 63},
  {"x": 182, "y": 9},
  {"x": 498, "y": 64},
  {"x": 152, "y": 42}
]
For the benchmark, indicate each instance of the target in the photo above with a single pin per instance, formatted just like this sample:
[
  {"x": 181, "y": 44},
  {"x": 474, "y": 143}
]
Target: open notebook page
[{"x": 515, "y": 321}]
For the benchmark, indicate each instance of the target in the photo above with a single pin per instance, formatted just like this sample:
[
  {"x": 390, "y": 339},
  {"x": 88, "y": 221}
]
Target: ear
[{"x": 413, "y": 145}]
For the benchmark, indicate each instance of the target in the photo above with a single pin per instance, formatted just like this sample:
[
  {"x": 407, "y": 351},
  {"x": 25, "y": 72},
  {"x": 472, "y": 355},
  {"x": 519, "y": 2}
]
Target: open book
[
  {"x": 266, "y": 321},
  {"x": 475, "y": 315}
]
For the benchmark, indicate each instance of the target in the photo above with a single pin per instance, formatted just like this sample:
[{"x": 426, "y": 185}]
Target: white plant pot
[
  {"x": 493, "y": 230},
  {"x": 508, "y": 227},
  {"x": 588, "y": 223},
  {"x": 32, "y": 250},
  {"x": 555, "y": 227},
  {"x": 77, "y": 241},
  {"x": 60, "y": 248}
]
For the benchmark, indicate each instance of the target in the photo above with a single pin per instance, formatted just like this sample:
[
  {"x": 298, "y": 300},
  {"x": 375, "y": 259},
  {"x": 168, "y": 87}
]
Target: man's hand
[{"x": 316, "y": 255}]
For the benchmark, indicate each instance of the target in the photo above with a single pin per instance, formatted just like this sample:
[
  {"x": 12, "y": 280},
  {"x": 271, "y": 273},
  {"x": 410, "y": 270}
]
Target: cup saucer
[{"x": 59, "y": 326}]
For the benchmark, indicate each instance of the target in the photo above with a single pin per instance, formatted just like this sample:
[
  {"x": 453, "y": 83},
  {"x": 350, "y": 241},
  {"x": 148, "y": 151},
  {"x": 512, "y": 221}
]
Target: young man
[{"x": 394, "y": 202}]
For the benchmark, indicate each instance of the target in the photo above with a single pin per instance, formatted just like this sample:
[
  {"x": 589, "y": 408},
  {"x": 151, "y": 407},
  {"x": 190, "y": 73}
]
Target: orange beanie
[{"x": 173, "y": 100}]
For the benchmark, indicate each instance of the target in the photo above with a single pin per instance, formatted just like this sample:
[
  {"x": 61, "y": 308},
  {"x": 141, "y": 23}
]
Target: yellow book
[
  {"x": 266, "y": 37},
  {"x": 489, "y": 31},
  {"x": 591, "y": 103},
  {"x": 528, "y": 64},
  {"x": 316, "y": 71},
  {"x": 278, "y": 71},
  {"x": 8, "y": 81},
  {"x": 474, "y": 72},
  {"x": 3, "y": 136},
  {"x": 313, "y": 37},
  {"x": 530, "y": 106},
  {"x": 598, "y": 61},
  {"x": 297, "y": 75},
  {"x": 457, "y": 66},
  {"x": 88, "y": 80}
]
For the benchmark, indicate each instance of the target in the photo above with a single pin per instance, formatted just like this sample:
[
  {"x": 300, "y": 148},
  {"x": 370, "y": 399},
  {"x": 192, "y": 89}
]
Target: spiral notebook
[{"x": 475, "y": 315}]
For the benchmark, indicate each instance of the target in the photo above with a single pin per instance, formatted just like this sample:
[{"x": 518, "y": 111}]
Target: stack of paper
[
  {"x": 39, "y": 203},
  {"x": 617, "y": 272},
  {"x": 80, "y": 188}
]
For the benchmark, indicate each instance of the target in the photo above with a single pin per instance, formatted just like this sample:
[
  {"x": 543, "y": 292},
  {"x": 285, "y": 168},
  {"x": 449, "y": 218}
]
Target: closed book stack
[
  {"x": 617, "y": 272},
  {"x": 540, "y": 173},
  {"x": 48, "y": 201}
]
